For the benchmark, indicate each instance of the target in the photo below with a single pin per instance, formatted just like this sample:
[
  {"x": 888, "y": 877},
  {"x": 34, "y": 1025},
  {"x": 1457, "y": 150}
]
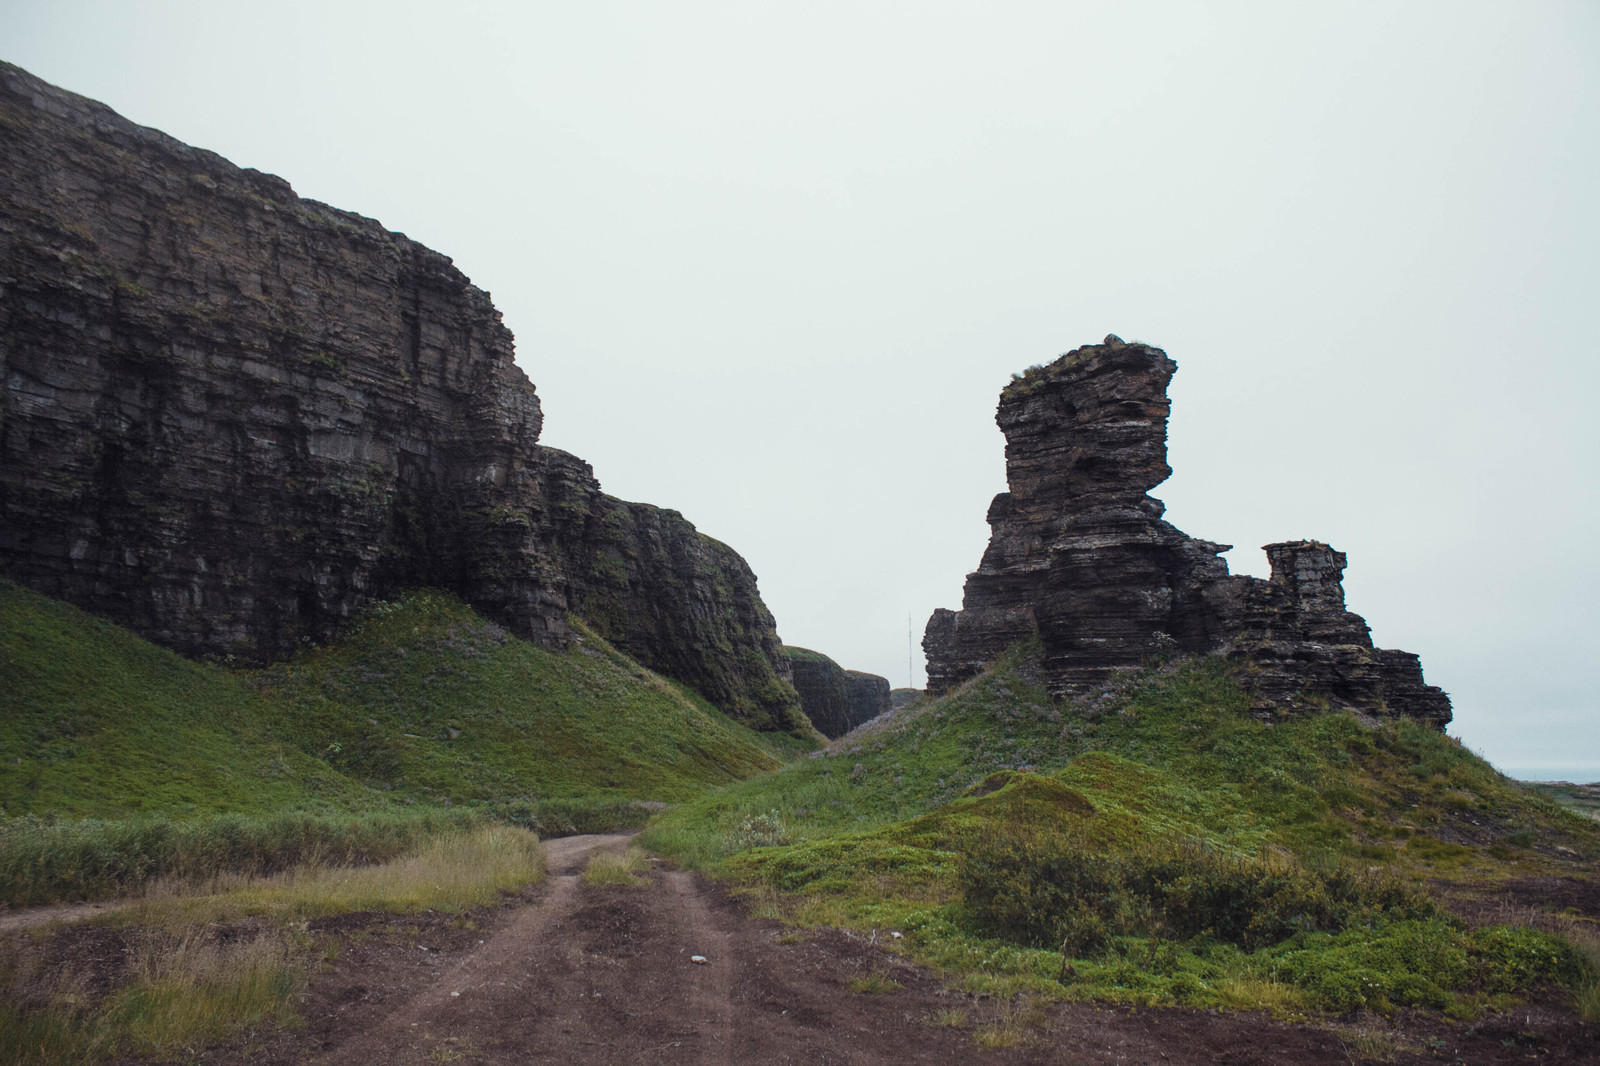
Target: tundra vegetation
[
  {"x": 1157, "y": 844},
  {"x": 413, "y": 765},
  {"x": 1167, "y": 848}
]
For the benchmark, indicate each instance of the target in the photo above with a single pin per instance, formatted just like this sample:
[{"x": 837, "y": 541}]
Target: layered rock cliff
[
  {"x": 231, "y": 416},
  {"x": 835, "y": 699},
  {"x": 1079, "y": 555}
]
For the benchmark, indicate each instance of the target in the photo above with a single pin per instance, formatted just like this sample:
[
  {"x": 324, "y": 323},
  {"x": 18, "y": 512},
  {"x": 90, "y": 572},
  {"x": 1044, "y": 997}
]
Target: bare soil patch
[{"x": 577, "y": 974}]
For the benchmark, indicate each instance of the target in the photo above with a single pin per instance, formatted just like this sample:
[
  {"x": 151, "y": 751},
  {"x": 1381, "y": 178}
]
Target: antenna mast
[{"x": 910, "y": 674}]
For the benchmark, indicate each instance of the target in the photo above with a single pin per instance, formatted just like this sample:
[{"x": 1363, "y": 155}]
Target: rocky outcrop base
[{"x": 1080, "y": 556}]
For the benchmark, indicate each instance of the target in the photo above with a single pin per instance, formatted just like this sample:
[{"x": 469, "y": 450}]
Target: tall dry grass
[
  {"x": 179, "y": 991},
  {"x": 450, "y": 872},
  {"x": 184, "y": 987},
  {"x": 49, "y": 861}
]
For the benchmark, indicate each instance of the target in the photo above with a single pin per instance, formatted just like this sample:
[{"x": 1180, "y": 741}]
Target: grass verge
[{"x": 43, "y": 861}]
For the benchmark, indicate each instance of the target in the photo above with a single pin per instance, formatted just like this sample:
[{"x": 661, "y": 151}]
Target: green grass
[
  {"x": 96, "y": 722},
  {"x": 1240, "y": 862},
  {"x": 182, "y": 992},
  {"x": 48, "y": 861},
  {"x": 422, "y": 702},
  {"x": 121, "y": 762},
  {"x": 427, "y": 698},
  {"x": 1585, "y": 799}
]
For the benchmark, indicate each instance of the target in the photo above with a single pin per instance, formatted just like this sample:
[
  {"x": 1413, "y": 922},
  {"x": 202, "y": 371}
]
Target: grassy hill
[
  {"x": 423, "y": 701},
  {"x": 1162, "y": 845}
]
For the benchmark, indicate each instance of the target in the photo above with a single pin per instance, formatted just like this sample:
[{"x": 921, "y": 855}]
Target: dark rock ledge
[{"x": 835, "y": 699}]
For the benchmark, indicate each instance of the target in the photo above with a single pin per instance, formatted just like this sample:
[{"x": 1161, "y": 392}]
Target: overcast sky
[{"x": 770, "y": 265}]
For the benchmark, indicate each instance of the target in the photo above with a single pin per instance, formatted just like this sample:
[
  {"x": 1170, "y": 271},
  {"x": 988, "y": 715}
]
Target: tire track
[
  {"x": 710, "y": 988},
  {"x": 497, "y": 964}
]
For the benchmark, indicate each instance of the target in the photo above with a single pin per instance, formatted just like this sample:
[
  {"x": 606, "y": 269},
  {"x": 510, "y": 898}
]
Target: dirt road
[{"x": 578, "y": 974}]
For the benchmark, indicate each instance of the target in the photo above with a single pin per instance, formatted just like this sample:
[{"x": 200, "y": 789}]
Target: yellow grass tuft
[
  {"x": 611, "y": 868},
  {"x": 873, "y": 983},
  {"x": 450, "y": 872},
  {"x": 1245, "y": 992}
]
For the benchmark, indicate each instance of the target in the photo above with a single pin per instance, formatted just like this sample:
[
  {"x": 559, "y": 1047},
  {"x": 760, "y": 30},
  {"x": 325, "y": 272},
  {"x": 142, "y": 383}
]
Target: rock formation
[
  {"x": 901, "y": 697},
  {"x": 835, "y": 699},
  {"x": 231, "y": 417},
  {"x": 1080, "y": 556}
]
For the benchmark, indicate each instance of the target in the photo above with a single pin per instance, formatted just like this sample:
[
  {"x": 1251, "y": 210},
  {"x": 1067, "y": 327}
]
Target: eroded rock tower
[{"x": 1080, "y": 555}]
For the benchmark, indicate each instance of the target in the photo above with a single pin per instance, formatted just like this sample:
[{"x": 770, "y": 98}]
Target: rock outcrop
[
  {"x": 231, "y": 417},
  {"x": 1079, "y": 555},
  {"x": 902, "y": 697},
  {"x": 835, "y": 699}
]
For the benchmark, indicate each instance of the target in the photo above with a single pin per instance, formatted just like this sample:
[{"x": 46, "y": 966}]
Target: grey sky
[{"x": 770, "y": 265}]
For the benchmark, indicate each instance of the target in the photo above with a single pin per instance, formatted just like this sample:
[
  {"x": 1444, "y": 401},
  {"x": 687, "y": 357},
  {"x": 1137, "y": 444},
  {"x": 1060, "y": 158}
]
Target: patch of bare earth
[{"x": 578, "y": 974}]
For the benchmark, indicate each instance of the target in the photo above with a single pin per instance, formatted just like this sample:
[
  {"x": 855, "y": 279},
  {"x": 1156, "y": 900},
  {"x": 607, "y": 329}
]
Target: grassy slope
[
  {"x": 429, "y": 697},
  {"x": 96, "y": 722},
  {"x": 878, "y": 833}
]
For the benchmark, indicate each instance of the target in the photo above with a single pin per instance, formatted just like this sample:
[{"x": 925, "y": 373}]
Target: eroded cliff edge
[
  {"x": 1079, "y": 555},
  {"x": 231, "y": 416}
]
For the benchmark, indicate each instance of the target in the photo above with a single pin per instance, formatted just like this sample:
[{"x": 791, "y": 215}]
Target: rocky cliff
[
  {"x": 232, "y": 416},
  {"x": 835, "y": 699},
  {"x": 1079, "y": 555}
]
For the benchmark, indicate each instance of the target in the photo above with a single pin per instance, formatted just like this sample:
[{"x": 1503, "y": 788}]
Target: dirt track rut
[{"x": 582, "y": 975}]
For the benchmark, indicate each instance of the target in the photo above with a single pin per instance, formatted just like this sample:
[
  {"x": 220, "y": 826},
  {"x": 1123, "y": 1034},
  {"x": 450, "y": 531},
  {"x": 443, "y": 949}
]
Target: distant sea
[{"x": 1578, "y": 775}]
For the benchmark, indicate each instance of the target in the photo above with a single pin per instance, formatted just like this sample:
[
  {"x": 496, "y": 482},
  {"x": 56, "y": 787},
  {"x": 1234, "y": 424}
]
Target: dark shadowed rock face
[
  {"x": 232, "y": 416},
  {"x": 836, "y": 700},
  {"x": 1080, "y": 555}
]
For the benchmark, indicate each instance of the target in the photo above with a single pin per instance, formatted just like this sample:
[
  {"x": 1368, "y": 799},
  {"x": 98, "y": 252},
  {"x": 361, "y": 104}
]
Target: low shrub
[
  {"x": 552, "y": 818},
  {"x": 1047, "y": 888}
]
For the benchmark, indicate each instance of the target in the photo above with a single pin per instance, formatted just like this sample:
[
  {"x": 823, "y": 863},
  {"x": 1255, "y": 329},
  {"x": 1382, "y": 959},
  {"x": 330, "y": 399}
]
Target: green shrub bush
[
  {"x": 1047, "y": 888},
  {"x": 572, "y": 817}
]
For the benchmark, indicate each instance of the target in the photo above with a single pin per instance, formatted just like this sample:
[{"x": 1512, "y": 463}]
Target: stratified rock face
[
  {"x": 232, "y": 416},
  {"x": 836, "y": 700},
  {"x": 869, "y": 695},
  {"x": 1080, "y": 556},
  {"x": 679, "y": 601}
]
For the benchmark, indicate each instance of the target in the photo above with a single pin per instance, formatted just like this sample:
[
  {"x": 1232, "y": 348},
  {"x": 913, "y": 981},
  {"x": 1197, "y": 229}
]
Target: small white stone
[
  {"x": 455, "y": 993},
  {"x": 897, "y": 936},
  {"x": 698, "y": 959}
]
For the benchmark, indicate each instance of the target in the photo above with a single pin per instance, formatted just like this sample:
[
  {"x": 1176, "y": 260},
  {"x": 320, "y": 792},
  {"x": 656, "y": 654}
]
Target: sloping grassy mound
[
  {"x": 96, "y": 721},
  {"x": 428, "y": 698},
  {"x": 1158, "y": 845},
  {"x": 424, "y": 701}
]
